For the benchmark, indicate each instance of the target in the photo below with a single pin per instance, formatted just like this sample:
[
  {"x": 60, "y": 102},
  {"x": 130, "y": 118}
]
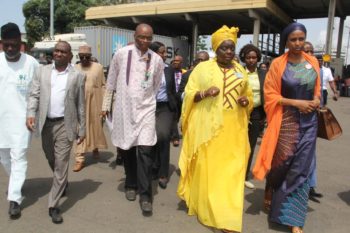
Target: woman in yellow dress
[{"x": 215, "y": 151}]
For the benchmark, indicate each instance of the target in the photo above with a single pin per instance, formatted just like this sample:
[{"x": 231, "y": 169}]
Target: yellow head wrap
[{"x": 224, "y": 33}]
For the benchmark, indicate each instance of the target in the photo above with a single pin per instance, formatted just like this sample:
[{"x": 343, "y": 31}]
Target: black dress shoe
[
  {"x": 163, "y": 183},
  {"x": 313, "y": 193},
  {"x": 130, "y": 194},
  {"x": 14, "y": 210},
  {"x": 55, "y": 215},
  {"x": 146, "y": 207}
]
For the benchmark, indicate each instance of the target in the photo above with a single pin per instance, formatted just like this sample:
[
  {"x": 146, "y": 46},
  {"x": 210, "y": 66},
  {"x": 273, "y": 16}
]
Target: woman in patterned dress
[
  {"x": 215, "y": 150},
  {"x": 292, "y": 95}
]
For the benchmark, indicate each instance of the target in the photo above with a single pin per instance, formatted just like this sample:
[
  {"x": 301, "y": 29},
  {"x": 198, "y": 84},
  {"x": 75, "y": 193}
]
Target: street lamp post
[{"x": 51, "y": 19}]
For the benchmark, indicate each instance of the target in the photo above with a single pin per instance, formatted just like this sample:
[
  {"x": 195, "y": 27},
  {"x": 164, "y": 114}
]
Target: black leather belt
[{"x": 54, "y": 119}]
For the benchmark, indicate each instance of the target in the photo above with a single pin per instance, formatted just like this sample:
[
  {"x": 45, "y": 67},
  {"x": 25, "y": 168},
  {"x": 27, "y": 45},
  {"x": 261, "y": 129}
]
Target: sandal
[
  {"x": 267, "y": 199},
  {"x": 176, "y": 143},
  {"x": 226, "y": 231},
  {"x": 295, "y": 229}
]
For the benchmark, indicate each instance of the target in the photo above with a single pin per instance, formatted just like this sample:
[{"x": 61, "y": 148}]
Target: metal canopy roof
[
  {"x": 305, "y": 9},
  {"x": 176, "y": 17}
]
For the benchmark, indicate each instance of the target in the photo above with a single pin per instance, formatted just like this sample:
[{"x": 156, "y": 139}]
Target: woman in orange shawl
[{"x": 292, "y": 95}]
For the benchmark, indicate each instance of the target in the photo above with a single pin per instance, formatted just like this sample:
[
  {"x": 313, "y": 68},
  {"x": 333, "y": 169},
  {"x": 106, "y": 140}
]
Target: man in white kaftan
[
  {"x": 135, "y": 75},
  {"x": 16, "y": 72}
]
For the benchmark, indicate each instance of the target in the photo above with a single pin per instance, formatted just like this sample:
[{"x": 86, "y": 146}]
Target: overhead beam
[
  {"x": 278, "y": 12},
  {"x": 340, "y": 7},
  {"x": 170, "y": 7}
]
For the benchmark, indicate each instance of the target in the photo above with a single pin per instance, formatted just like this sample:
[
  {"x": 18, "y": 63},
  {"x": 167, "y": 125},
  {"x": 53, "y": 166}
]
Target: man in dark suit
[
  {"x": 166, "y": 111},
  {"x": 56, "y": 109},
  {"x": 200, "y": 56}
]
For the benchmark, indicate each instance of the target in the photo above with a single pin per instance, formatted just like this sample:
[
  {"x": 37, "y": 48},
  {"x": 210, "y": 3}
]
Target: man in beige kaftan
[{"x": 94, "y": 90}]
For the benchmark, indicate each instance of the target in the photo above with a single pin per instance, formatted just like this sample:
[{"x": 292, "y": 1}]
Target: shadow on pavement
[
  {"x": 256, "y": 202},
  {"x": 79, "y": 190},
  {"x": 345, "y": 196},
  {"x": 35, "y": 188},
  {"x": 103, "y": 158},
  {"x": 182, "y": 206}
]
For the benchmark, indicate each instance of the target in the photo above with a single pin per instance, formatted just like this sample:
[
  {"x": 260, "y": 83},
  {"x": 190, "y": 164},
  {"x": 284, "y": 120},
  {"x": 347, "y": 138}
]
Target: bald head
[
  {"x": 201, "y": 56},
  {"x": 143, "y": 27},
  {"x": 143, "y": 36}
]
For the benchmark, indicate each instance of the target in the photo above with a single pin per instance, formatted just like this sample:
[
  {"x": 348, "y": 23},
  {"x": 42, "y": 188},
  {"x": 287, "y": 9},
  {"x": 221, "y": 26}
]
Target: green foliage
[
  {"x": 67, "y": 15},
  {"x": 201, "y": 43}
]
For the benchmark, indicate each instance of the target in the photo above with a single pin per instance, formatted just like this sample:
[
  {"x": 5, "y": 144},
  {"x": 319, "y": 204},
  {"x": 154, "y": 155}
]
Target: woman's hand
[
  {"x": 212, "y": 91},
  {"x": 316, "y": 102},
  {"x": 243, "y": 101},
  {"x": 307, "y": 106}
]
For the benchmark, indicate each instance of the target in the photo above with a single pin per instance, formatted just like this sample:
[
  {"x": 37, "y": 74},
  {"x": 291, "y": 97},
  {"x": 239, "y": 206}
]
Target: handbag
[{"x": 328, "y": 126}]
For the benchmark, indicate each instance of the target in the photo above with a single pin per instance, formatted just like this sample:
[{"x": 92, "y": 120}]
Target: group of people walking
[{"x": 223, "y": 107}]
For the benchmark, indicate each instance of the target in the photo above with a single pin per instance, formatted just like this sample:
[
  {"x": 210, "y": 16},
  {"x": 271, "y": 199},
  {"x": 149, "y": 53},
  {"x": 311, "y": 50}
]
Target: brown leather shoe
[{"x": 78, "y": 166}]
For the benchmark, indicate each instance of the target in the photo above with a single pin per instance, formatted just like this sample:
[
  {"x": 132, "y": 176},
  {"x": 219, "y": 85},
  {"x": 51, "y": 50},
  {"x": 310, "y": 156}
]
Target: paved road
[{"x": 96, "y": 201}]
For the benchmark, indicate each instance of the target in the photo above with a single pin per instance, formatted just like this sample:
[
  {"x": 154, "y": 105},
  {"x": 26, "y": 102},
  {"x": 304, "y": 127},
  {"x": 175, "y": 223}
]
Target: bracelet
[
  {"x": 280, "y": 101},
  {"x": 201, "y": 94}
]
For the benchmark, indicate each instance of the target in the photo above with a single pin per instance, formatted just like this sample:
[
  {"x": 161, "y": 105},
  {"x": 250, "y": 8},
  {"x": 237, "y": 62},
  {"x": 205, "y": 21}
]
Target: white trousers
[{"x": 15, "y": 163}]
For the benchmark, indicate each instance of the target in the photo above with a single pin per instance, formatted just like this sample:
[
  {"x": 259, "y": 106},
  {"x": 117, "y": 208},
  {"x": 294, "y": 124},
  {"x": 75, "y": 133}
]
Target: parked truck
[{"x": 105, "y": 41}]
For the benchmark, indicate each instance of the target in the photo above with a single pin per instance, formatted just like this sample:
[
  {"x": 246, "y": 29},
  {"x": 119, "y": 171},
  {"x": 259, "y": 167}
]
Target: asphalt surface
[{"x": 96, "y": 203}]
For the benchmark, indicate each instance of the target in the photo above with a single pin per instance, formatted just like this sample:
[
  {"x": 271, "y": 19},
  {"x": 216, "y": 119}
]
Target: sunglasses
[{"x": 87, "y": 57}]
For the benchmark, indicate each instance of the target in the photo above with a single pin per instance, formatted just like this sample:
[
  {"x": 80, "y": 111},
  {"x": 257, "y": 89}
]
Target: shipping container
[{"x": 106, "y": 40}]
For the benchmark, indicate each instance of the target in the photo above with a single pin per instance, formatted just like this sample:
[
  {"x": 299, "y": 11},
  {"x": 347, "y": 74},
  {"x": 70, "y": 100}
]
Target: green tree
[{"x": 67, "y": 15}]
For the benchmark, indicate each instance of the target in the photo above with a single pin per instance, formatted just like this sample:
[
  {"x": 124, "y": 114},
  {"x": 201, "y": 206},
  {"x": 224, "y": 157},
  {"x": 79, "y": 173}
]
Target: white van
[{"x": 43, "y": 50}]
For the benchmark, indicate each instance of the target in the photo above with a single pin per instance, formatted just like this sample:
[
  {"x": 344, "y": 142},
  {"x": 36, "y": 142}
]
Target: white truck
[
  {"x": 43, "y": 50},
  {"x": 104, "y": 42}
]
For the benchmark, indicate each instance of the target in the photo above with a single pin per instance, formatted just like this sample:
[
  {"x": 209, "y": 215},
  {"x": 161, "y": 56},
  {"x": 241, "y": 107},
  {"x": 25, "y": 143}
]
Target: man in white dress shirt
[
  {"x": 56, "y": 110},
  {"x": 16, "y": 72}
]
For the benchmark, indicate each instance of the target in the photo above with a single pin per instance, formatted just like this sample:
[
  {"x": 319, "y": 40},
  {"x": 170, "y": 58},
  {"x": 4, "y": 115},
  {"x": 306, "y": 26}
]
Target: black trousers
[
  {"x": 254, "y": 130},
  {"x": 164, "y": 127},
  {"x": 175, "y": 135},
  {"x": 324, "y": 97},
  {"x": 138, "y": 170}
]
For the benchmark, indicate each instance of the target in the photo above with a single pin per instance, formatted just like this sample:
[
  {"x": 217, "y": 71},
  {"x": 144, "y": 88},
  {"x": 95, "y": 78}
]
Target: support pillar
[
  {"x": 340, "y": 36},
  {"x": 331, "y": 12}
]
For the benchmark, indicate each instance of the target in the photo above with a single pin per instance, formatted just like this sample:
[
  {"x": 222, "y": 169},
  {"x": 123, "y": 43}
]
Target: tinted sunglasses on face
[{"x": 84, "y": 56}]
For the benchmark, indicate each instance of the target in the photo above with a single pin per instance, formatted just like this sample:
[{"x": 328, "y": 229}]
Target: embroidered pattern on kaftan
[{"x": 231, "y": 90}]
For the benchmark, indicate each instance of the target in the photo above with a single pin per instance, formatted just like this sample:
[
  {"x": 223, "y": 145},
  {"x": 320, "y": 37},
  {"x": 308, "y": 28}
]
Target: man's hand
[
  {"x": 103, "y": 114},
  {"x": 336, "y": 95},
  {"x": 30, "y": 123},
  {"x": 80, "y": 140}
]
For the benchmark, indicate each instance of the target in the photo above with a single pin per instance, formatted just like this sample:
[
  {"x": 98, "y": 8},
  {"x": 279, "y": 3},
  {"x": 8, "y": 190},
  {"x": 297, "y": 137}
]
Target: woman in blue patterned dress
[{"x": 292, "y": 95}]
